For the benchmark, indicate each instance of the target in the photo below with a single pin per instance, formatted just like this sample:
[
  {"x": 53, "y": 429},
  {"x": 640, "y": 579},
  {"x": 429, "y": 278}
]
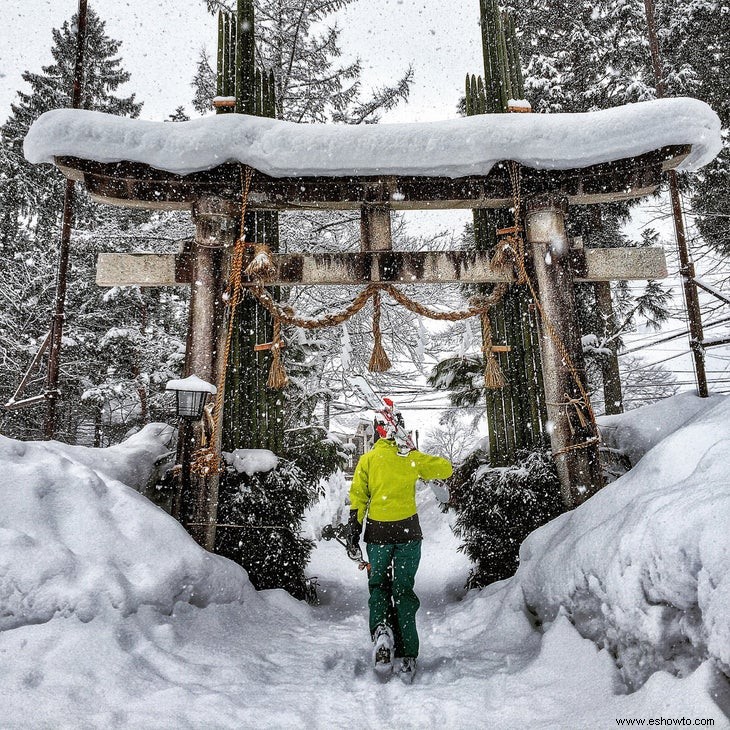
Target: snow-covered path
[
  {"x": 277, "y": 663},
  {"x": 111, "y": 617}
]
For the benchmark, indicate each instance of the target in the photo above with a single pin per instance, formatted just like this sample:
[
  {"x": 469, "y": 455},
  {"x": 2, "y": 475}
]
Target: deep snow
[
  {"x": 453, "y": 148},
  {"x": 152, "y": 632}
]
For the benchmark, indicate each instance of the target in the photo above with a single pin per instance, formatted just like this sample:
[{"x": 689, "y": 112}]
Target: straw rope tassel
[
  {"x": 379, "y": 361},
  {"x": 493, "y": 375},
  {"x": 278, "y": 379}
]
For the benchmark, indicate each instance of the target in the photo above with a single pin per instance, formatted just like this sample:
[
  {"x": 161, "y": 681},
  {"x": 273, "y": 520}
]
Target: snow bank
[
  {"x": 132, "y": 462},
  {"x": 635, "y": 432},
  {"x": 643, "y": 567},
  {"x": 454, "y": 148},
  {"x": 74, "y": 542}
]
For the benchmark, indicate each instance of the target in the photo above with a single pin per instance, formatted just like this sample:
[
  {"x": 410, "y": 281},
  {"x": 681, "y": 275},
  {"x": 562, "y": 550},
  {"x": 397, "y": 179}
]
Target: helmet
[{"x": 388, "y": 419}]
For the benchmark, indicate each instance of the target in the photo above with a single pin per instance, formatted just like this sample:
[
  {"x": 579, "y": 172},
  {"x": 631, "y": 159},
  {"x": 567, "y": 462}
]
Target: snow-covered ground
[{"x": 110, "y": 616}]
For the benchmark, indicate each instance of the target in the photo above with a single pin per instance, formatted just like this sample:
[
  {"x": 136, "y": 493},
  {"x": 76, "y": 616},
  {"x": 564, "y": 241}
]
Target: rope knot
[
  {"x": 261, "y": 266},
  {"x": 207, "y": 462}
]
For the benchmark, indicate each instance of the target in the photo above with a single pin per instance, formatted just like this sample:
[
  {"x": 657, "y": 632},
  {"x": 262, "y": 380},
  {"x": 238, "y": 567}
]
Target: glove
[{"x": 354, "y": 528}]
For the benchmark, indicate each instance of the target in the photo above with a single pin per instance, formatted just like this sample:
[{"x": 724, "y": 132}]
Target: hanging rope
[
  {"x": 513, "y": 238},
  {"x": 379, "y": 361}
]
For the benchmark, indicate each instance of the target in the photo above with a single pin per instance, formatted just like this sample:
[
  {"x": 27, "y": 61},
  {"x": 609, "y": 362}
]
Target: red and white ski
[
  {"x": 403, "y": 438},
  {"x": 386, "y": 407}
]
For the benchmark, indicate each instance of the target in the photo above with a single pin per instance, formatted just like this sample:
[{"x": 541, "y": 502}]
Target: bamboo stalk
[
  {"x": 501, "y": 456},
  {"x": 533, "y": 393},
  {"x": 491, "y": 100},
  {"x": 504, "y": 74},
  {"x": 232, "y": 35},
  {"x": 508, "y": 392},
  {"x": 515, "y": 46},
  {"x": 220, "y": 59},
  {"x": 512, "y": 55},
  {"x": 518, "y": 391}
]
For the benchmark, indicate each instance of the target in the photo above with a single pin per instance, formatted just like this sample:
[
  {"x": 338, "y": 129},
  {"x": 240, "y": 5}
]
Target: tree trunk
[{"x": 612, "y": 394}]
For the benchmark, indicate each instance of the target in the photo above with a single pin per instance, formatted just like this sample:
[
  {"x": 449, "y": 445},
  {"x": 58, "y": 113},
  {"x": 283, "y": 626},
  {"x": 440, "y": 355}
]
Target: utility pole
[
  {"x": 686, "y": 266},
  {"x": 54, "y": 357}
]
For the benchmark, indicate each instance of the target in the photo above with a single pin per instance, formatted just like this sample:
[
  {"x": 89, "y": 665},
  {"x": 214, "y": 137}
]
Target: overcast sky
[{"x": 161, "y": 41}]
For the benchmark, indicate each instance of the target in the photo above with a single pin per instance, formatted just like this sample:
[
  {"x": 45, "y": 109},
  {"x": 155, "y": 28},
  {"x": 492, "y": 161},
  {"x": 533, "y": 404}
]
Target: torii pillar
[
  {"x": 216, "y": 229},
  {"x": 574, "y": 447}
]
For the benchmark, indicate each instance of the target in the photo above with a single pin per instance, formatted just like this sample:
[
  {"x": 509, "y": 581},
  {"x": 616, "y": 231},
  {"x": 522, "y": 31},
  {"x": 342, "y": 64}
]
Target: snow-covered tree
[
  {"x": 37, "y": 194},
  {"x": 453, "y": 438},
  {"x": 31, "y": 204},
  {"x": 595, "y": 55},
  {"x": 496, "y": 508}
]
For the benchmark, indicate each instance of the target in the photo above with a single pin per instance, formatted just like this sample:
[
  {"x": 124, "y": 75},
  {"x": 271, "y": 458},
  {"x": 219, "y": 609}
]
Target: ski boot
[
  {"x": 407, "y": 670},
  {"x": 383, "y": 650}
]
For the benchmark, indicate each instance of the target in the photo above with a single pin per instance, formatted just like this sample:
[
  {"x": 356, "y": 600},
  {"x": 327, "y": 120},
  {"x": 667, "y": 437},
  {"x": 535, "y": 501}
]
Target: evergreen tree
[
  {"x": 596, "y": 55},
  {"x": 117, "y": 348},
  {"x": 37, "y": 195},
  {"x": 497, "y": 508},
  {"x": 179, "y": 115}
]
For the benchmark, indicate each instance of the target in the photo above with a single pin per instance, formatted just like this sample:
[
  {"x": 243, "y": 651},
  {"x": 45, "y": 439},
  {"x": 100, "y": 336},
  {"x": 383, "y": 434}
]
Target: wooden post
[
  {"x": 216, "y": 226},
  {"x": 612, "y": 393},
  {"x": 579, "y": 468},
  {"x": 375, "y": 229},
  {"x": 64, "y": 247},
  {"x": 686, "y": 265}
]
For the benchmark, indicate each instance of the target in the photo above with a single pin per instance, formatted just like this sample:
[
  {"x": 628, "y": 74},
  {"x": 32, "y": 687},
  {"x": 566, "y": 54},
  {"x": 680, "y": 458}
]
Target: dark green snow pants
[{"x": 392, "y": 600}]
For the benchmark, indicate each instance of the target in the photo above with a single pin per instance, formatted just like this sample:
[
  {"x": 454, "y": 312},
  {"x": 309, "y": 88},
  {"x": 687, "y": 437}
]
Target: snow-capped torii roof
[{"x": 452, "y": 149}]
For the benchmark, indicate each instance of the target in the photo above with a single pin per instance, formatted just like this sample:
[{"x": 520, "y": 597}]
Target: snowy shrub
[
  {"x": 266, "y": 511},
  {"x": 259, "y": 516},
  {"x": 498, "y": 507}
]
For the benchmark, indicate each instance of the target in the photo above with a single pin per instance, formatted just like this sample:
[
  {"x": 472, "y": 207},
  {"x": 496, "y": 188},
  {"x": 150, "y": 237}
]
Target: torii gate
[{"x": 213, "y": 195}]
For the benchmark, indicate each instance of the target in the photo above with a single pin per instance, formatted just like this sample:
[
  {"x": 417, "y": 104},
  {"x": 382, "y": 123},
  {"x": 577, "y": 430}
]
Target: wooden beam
[
  {"x": 398, "y": 267},
  {"x": 623, "y": 264},
  {"x": 134, "y": 184}
]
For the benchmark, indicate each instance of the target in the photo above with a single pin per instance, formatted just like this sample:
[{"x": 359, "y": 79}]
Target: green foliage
[
  {"x": 462, "y": 377},
  {"x": 498, "y": 507},
  {"x": 267, "y": 510},
  {"x": 314, "y": 454}
]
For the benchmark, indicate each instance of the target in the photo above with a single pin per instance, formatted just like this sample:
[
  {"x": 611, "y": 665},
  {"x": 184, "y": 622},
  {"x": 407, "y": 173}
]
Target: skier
[{"x": 384, "y": 487}]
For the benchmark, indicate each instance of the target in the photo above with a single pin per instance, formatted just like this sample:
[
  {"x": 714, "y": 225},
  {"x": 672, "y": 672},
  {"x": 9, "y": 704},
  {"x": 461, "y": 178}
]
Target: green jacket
[{"x": 384, "y": 484}]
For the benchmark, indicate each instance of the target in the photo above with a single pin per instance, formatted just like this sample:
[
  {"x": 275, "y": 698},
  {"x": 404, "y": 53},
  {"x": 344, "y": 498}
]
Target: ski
[{"x": 386, "y": 408}]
